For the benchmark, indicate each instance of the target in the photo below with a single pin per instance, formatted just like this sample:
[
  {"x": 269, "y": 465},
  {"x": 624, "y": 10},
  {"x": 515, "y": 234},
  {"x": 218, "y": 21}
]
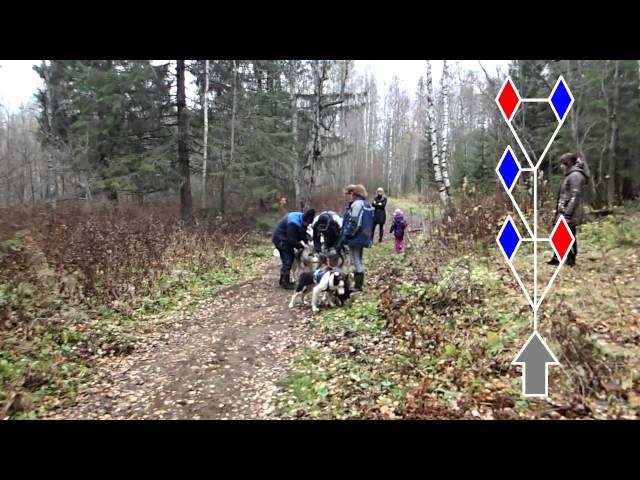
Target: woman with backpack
[{"x": 357, "y": 225}]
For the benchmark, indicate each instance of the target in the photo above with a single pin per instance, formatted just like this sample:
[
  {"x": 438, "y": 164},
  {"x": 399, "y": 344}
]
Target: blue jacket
[
  {"x": 290, "y": 231},
  {"x": 357, "y": 224}
]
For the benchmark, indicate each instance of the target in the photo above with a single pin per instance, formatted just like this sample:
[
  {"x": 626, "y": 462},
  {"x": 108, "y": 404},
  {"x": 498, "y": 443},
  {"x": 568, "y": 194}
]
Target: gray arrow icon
[{"x": 535, "y": 357}]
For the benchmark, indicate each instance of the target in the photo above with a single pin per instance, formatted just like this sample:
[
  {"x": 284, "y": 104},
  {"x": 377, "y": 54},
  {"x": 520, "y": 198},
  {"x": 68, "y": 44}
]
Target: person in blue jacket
[
  {"x": 357, "y": 229},
  {"x": 289, "y": 234}
]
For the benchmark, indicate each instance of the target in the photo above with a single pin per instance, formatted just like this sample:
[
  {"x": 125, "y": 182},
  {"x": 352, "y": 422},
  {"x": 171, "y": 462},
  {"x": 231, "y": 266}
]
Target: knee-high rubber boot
[
  {"x": 285, "y": 281},
  {"x": 359, "y": 281}
]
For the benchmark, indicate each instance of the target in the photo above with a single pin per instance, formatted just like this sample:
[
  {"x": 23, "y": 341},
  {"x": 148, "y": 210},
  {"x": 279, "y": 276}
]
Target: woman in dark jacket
[{"x": 379, "y": 215}]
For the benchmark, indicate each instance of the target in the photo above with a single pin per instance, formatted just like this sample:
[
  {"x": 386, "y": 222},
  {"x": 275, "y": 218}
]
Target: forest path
[{"x": 222, "y": 362}]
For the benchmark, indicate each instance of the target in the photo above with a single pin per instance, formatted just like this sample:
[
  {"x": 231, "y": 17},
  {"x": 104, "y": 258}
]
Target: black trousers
[
  {"x": 373, "y": 232},
  {"x": 330, "y": 240},
  {"x": 573, "y": 253},
  {"x": 286, "y": 256}
]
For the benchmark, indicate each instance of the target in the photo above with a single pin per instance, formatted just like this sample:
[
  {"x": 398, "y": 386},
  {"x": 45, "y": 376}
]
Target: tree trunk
[
  {"x": 233, "y": 113},
  {"x": 223, "y": 200},
  {"x": 390, "y": 160},
  {"x": 28, "y": 161},
  {"x": 573, "y": 115},
  {"x": 366, "y": 132},
  {"x": 385, "y": 138},
  {"x": 186, "y": 206},
  {"x": 599, "y": 184},
  {"x": 613, "y": 142},
  {"x": 205, "y": 109},
  {"x": 222, "y": 192},
  {"x": 483, "y": 138},
  {"x": 313, "y": 151},
  {"x": 371, "y": 130},
  {"x": 296, "y": 164},
  {"x": 51, "y": 178},
  {"x": 445, "y": 129},
  {"x": 431, "y": 118}
]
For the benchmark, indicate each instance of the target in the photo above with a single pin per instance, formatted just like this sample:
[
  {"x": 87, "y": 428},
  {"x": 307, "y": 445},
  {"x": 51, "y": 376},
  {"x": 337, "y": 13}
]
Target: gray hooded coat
[{"x": 572, "y": 193}]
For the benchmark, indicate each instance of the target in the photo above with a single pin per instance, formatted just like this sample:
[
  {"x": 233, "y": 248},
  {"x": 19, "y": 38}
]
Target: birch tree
[
  {"x": 51, "y": 175},
  {"x": 435, "y": 152},
  {"x": 205, "y": 109},
  {"x": 445, "y": 129}
]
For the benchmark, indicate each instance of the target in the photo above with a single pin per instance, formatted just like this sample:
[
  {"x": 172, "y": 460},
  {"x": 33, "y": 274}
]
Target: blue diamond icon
[
  {"x": 561, "y": 99},
  {"x": 508, "y": 169},
  {"x": 509, "y": 238}
]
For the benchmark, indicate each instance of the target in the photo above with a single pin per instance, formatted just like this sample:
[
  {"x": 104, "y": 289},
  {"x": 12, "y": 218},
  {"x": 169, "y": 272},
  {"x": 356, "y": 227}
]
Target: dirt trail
[{"x": 222, "y": 362}]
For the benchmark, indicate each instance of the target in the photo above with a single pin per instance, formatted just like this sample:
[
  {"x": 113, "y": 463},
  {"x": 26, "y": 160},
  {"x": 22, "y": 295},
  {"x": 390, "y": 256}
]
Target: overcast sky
[
  {"x": 18, "y": 81},
  {"x": 409, "y": 71}
]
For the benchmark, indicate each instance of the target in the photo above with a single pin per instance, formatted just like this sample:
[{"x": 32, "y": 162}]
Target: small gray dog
[{"x": 304, "y": 260}]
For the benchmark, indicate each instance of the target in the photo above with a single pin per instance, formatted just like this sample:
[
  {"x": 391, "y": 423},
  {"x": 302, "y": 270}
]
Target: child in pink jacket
[{"x": 398, "y": 226}]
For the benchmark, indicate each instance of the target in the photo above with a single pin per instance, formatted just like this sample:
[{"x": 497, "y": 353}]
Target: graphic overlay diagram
[{"x": 535, "y": 356}]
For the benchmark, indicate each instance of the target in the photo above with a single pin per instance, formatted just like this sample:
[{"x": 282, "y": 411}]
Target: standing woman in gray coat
[{"x": 571, "y": 200}]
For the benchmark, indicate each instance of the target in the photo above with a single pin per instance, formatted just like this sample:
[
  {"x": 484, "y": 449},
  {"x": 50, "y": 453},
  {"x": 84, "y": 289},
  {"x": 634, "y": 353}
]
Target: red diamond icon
[
  {"x": 508, "y": 99},
  {"x": 562, "y": 238}
]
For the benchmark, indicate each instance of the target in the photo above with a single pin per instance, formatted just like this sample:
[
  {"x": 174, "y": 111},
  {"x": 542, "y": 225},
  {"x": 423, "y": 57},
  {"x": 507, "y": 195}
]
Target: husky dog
[
  {"x": 330, "y": 288},
  {"x": 304, "y": 260}
]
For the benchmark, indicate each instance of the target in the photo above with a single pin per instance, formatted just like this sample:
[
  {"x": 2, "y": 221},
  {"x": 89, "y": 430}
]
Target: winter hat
[
  {"x": 309, "y": 215},
  {"x": 397, "y": 213},
  {"x": 569, "y": 159}
]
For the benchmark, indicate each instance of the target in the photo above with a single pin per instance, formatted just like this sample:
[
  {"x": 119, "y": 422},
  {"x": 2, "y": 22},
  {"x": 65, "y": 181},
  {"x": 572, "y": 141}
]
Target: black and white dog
[{"x": 332, "y": 287}]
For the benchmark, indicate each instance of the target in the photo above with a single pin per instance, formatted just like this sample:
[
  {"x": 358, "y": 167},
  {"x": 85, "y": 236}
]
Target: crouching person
[
  {"x": 326, "y": 227},
  {"x": 291, "y": 233}
]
